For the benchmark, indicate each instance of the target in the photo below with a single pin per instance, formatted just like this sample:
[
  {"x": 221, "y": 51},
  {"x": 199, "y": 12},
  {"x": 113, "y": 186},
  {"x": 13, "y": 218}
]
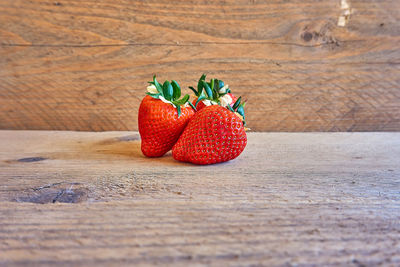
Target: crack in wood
[
  {"x": 31, "y": 159},
  {"x": 59, "y": 194},
  {"x": 167, "y": 44},
  {"x": 52, "y": 185}
]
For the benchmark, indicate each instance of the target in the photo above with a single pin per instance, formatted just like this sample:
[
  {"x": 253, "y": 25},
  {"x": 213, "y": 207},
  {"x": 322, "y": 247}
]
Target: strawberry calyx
[
  {"x": 211, "y": 92},
  {"x": 238, "y": 109},
  {"x": 169, "y": 92}
]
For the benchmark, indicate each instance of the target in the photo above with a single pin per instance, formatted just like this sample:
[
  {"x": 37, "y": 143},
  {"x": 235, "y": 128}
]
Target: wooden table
[{"x": 81, "y": 198}]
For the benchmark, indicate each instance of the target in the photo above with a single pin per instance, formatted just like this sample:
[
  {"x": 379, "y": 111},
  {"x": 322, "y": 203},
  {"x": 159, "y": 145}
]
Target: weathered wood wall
[{"x": 83, "y": 65}]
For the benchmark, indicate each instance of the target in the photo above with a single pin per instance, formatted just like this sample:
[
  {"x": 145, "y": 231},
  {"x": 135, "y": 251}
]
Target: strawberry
[
  {"x": 162, "y": 117},
  {"x": 210, "y": 93},
  {"x": 214, "y": 134}
]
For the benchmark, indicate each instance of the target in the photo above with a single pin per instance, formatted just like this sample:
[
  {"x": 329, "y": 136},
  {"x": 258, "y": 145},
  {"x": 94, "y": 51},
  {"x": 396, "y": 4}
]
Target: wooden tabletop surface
[{"x": 81, "y": 198}]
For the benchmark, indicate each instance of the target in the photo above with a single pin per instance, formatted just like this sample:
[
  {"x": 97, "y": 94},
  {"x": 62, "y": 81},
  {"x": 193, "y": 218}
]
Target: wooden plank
[
  {"x": 83, "y": 65},
  {"x": 289, "y": 199}
]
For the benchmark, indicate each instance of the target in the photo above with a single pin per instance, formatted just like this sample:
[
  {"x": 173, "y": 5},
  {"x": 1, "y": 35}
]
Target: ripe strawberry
[
  {"x": 162, "y": 117},
  {"x": 210, "y": 93},
  {"x": 214, "y": 134}
]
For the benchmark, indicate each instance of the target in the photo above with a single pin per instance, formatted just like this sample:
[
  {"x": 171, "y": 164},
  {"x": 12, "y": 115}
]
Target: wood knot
[
  {"x": 58, "y": 192},
  {"x": 319, "y": 33},
  {"x": 307, "y": 36}
]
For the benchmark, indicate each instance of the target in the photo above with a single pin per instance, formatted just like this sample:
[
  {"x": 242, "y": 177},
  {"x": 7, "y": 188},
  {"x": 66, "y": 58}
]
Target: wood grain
[
  {"x": 289, "y": 199},
  {"x": 83, "y": 65}
]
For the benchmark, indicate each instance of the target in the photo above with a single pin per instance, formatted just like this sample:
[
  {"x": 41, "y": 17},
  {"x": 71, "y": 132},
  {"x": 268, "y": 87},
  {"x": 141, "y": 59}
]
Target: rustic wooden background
[{"x": 83, "y": 65}]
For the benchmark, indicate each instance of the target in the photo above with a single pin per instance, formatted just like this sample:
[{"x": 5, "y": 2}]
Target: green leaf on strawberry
[
  {"x": 169, "y": 92},
  {"x": 157, "y": 85},
  {"x": 177, "y": 89},
  {"x": 212, "y": 90},
  {"x": 216, "y": 92},
  {"x": 239, "y": 109},
  {"x": 237, "y": 103}
]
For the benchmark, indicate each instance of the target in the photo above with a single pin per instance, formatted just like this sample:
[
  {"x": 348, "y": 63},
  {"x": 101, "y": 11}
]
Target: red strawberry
[
  {"x": 162, "y": 117},
  {"x": 214, "y": 134},
  {"x": 214, "y": 92}
]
